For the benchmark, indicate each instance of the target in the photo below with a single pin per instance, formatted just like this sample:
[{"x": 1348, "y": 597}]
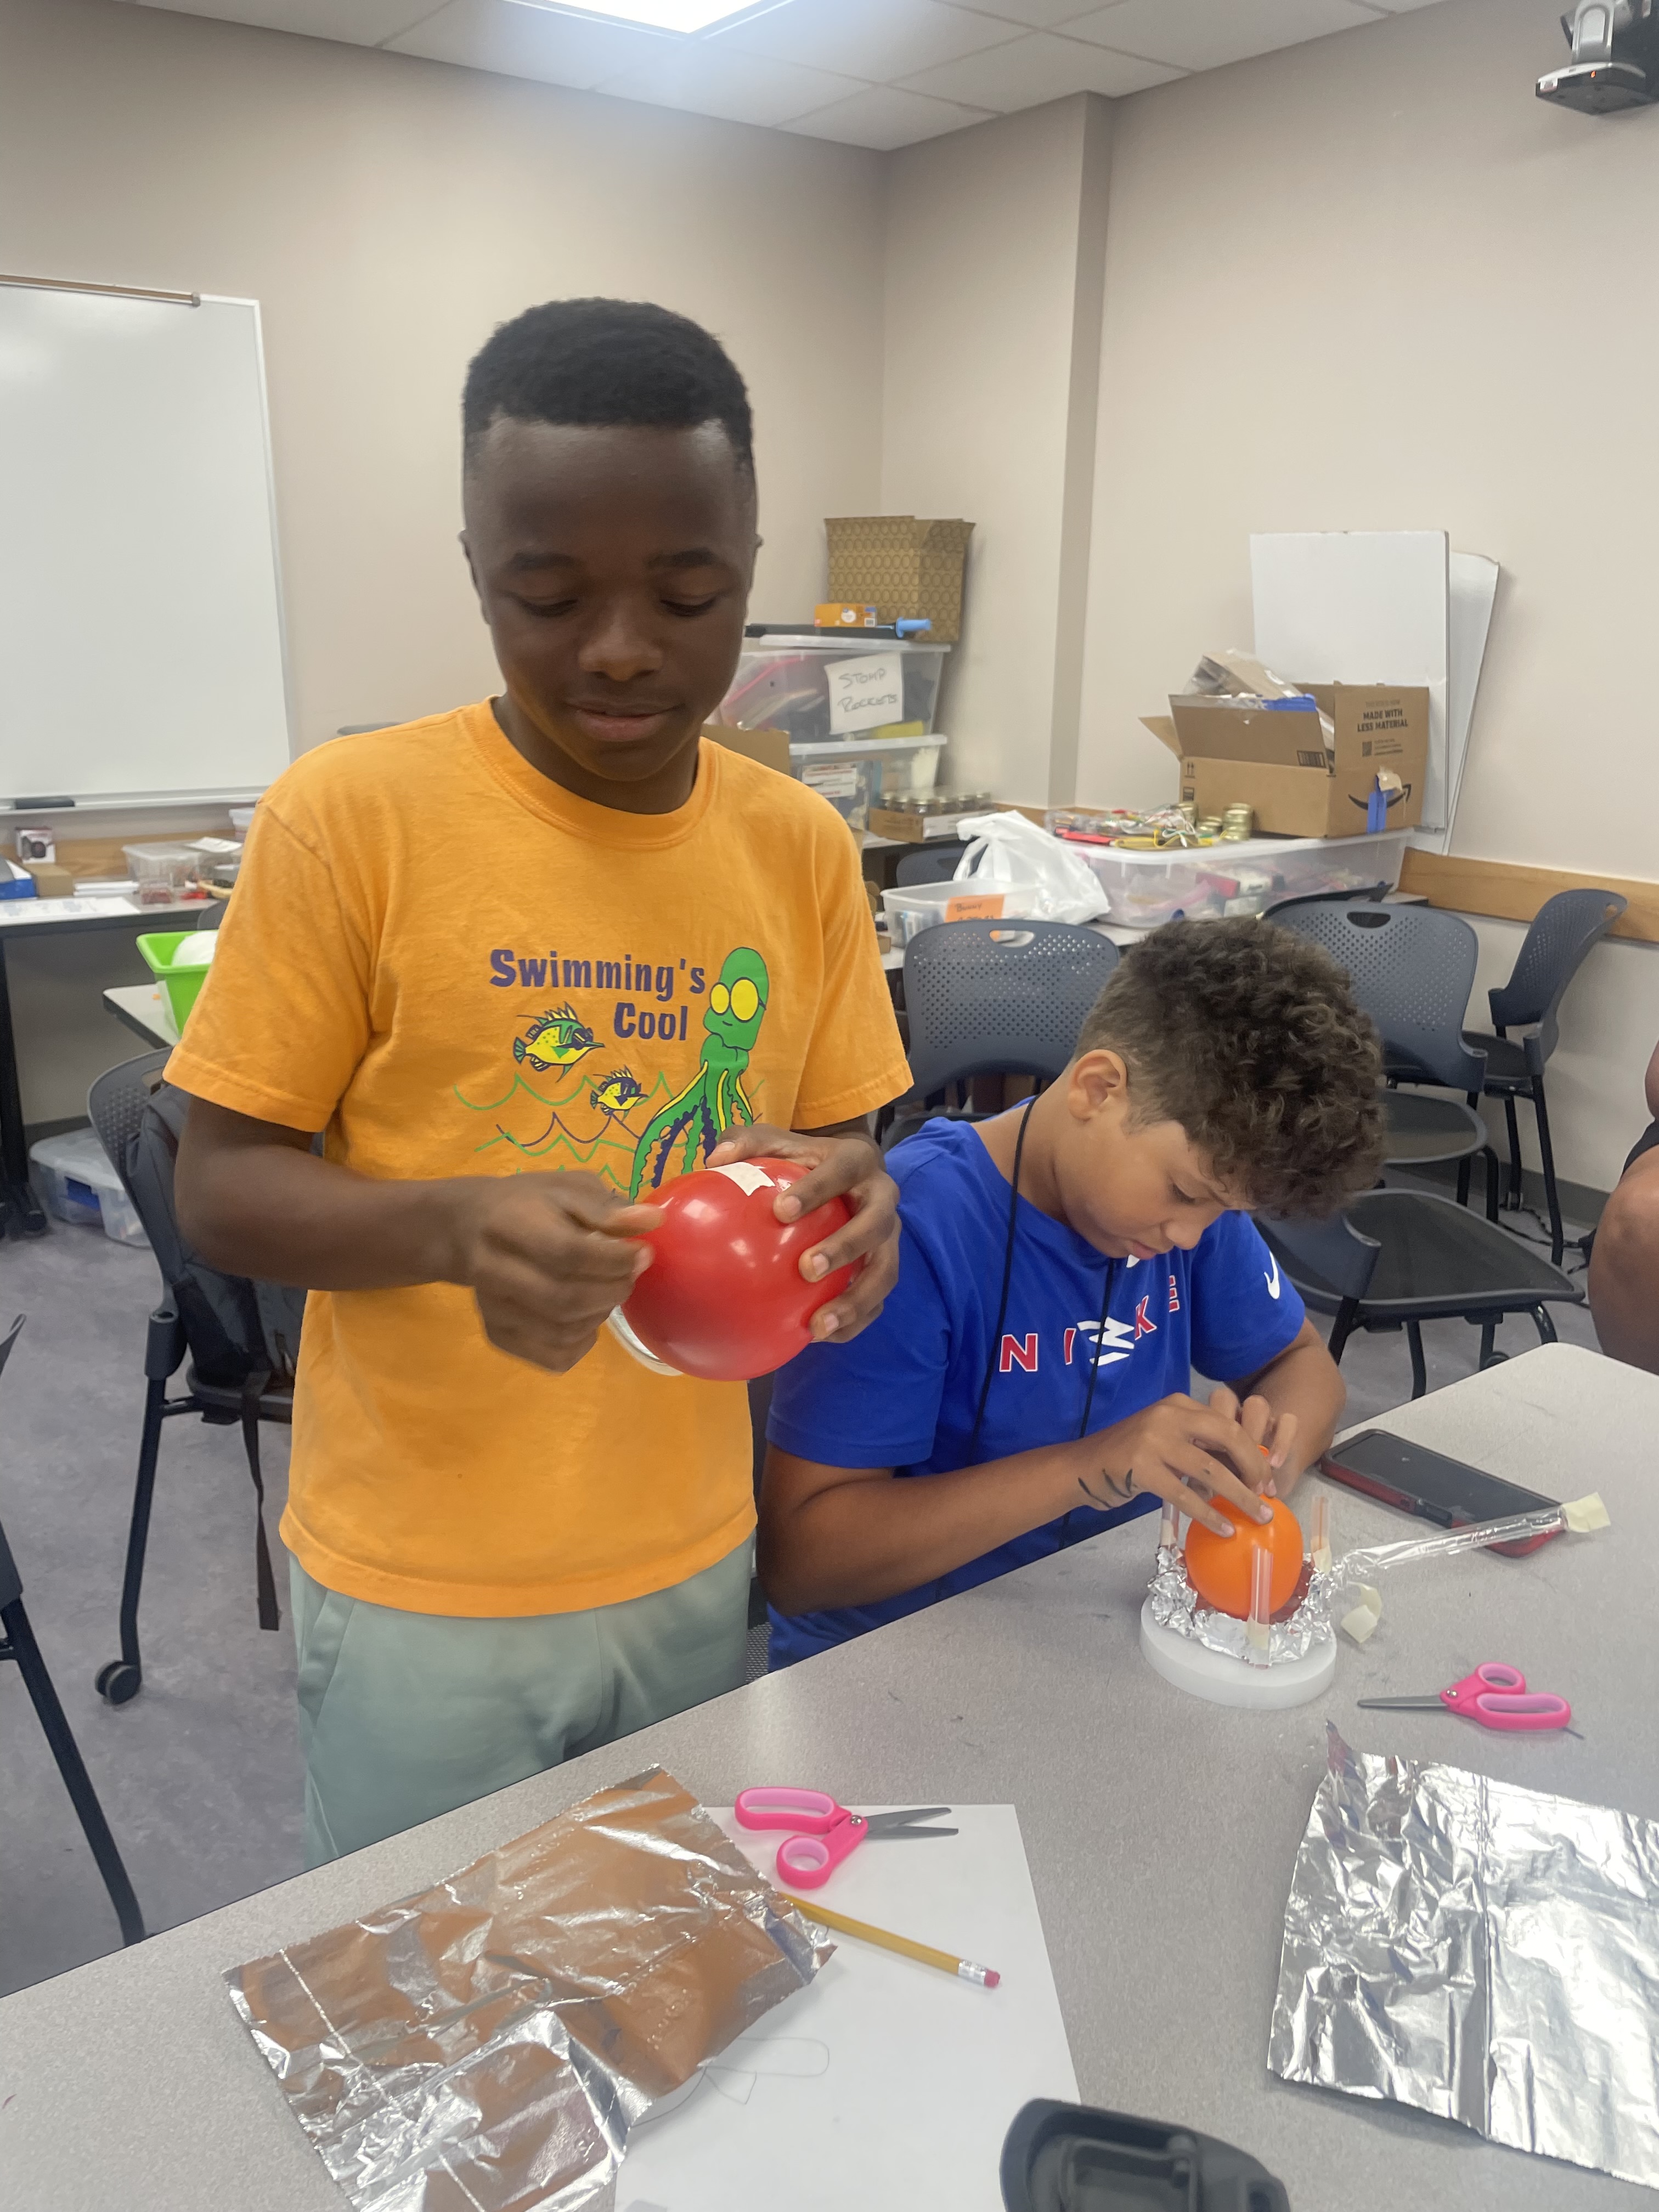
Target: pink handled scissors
[
  {"x": 825, "y": 1832},
  {"x": 1495, "y": 1695}
]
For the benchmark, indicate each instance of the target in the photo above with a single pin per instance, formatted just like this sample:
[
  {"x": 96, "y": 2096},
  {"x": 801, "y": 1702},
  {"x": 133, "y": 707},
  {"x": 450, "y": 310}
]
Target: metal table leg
[{"x": 18, "y": 1200}]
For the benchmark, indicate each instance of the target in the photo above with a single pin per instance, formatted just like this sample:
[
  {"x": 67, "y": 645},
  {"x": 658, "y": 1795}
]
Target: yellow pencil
[{"x": 986, "y": 1976}]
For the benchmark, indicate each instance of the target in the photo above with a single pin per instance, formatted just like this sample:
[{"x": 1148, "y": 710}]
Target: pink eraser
[{"x": 991, "y": 1978}]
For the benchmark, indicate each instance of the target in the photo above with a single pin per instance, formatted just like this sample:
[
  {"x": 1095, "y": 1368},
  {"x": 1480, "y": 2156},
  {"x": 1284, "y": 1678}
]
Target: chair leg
[
  {"x": 1342, "y": 1328},
  {"x": 1420, "y": 1367},
  {"x": 1491, "y": 1158},
  {"x": 1546, "y": 1152},
  {"x": 1488, "y": 1335},
  {"x": 1463, "y": 1167},
  {"x": 1514, "y": 1127},
  {"x": 121, "y": 1679},
  {"x": 21, "y": 1645},
  {"x": 1544, "y": 1324}
]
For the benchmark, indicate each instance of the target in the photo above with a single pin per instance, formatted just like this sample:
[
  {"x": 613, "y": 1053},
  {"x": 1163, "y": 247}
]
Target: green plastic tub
[{"x": 182, "y": 985}]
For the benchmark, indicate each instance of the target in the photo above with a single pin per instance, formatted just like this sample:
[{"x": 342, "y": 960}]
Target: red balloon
[{"x": 723, "y": 1297}]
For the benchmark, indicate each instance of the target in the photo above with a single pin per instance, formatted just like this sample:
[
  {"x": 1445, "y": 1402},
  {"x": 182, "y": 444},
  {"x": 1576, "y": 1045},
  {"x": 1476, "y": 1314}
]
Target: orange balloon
[{"x": 1218, "y": 1567}]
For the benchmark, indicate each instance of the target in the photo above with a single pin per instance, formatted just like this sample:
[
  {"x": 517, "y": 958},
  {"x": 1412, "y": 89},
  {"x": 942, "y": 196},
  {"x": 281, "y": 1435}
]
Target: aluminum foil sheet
[
  {"x": 1320, "y": 1601},
  {"x": 1479, "y": 1951},
  {"x": 486, "y": 2045}
]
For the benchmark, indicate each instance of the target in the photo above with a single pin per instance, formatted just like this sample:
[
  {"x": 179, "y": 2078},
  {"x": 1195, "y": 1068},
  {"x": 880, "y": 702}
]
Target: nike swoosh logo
[{"x": 1272, "y": 1281}]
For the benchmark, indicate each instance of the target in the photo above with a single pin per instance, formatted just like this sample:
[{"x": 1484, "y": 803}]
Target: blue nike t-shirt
[{"x": 904, "y": 1395}]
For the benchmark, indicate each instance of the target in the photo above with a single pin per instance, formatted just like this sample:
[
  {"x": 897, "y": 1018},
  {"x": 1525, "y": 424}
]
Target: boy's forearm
[
  {"x": 1305, "y": 1381},
  {"x": 879, "y": 1534},
  {"x": 278, "y": 1211}
]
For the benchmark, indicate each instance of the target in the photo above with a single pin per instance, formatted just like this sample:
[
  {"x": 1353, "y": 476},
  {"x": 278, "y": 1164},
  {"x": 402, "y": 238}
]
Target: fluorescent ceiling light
[{"x": 651, "y": 15}]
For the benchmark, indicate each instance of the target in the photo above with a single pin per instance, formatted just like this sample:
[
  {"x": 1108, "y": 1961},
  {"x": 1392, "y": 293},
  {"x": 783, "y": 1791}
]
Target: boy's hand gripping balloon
[{"x": 723, "y": 1297}]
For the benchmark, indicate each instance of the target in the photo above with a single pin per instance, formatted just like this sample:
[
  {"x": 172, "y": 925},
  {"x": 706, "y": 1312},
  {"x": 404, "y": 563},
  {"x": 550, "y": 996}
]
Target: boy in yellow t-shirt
[{"x": 523, "y": 963}]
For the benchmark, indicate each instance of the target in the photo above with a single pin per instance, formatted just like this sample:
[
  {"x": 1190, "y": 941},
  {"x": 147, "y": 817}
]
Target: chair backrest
[
  {"x": 1562, "y": 931},
  {"x": 999, "y": 998},
  {"x": 236, "y": 1327},
  {"x": 1412, "y": 969},
  {"x": 930, "y": 864},
  {"x": 1355, "y": 896},
  {"x": 1331, "y": 1257}
]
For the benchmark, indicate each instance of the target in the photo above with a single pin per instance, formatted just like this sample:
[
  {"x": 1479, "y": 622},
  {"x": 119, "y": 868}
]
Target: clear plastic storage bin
[
  {"x": 914, "y": 907},
  {"x": 1146, "y": 888},
  {"x": 164, "y": 875},
  {"x": 784, "y": 683},
  {"x": 855, "y": 774},
  {"x": 79, "y": 1184}
]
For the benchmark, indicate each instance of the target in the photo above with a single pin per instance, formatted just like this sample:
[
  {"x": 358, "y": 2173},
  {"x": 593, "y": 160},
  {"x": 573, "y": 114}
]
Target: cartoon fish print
[
  {"x": 615, "y": 1093},
  {"x": 714, "y": 1099},
  {"x": 557, "y": 1038}
]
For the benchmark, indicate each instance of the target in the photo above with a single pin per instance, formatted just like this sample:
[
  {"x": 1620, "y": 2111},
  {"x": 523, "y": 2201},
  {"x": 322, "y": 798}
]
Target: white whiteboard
[{"x": 141, "y": 623}]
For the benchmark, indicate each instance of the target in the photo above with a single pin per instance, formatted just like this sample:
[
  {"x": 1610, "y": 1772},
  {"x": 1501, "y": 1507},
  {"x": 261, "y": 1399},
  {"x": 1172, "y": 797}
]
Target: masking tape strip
[
  {"x": 1585, "y": 1515},
  {"x": 1360, "y": 1623}
]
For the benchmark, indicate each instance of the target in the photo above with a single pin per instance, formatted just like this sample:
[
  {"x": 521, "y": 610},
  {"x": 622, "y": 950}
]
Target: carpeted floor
[{"x": 200, "y": 1775}]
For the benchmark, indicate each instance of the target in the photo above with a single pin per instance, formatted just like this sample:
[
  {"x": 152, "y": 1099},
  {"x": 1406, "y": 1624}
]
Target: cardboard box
[
  {"x": 837, "y": 614},
  {"x": 52, "y": 878},
  {"x": 770, "y": 747},
  {"x": 1276, "y": 761},
  {"x": 906, "y": 569},
  {"x": 906, "y": 827}
]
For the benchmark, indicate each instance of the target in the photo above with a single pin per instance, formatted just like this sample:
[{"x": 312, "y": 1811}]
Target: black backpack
[{"x": 243, "y": 1336}]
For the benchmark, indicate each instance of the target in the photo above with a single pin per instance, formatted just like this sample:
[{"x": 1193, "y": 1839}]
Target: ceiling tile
[
  {"x": 711, "y": 79},
  {"x": 1200, "y": 34},
  {"x": 1029, "y": 14},
  {"x": 884, "y": 117},
  {"x": 532, "y": 42},
  {"x": 876, "y": 38},
  {"x": 1035, "y": 69},
  {"x": 356, "y": 22}
]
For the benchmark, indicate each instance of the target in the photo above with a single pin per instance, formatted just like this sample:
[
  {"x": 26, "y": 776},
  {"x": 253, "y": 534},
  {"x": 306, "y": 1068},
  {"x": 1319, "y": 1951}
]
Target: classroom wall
[
  {"x": 387, "y": 213},
  {"x": 1372, "y": 282},
  {"x": 995, "y": 247}
]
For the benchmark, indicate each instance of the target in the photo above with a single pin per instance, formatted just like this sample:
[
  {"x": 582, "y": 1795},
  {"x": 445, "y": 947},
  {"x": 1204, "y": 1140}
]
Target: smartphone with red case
[{"x": 1435, "y": 1488}]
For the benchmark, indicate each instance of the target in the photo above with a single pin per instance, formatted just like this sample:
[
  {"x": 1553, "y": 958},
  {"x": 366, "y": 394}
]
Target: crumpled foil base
[
  {"x": 1177, "y": 1605},
  {"x": 1480, "y": 1951},
  {"x": 486, "y": 2045}
]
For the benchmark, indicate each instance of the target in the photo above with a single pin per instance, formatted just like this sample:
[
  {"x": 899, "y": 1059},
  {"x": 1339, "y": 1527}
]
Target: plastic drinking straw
[
  {"x": 1261, "y": 1603},
  {"x": 1169, "y": 1526},
  {"x": 1321, "y": 1536}
]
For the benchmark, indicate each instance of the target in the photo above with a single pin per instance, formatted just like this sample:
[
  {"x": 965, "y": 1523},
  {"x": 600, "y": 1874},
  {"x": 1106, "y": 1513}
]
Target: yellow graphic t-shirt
[{"x": 453, "y": 967}]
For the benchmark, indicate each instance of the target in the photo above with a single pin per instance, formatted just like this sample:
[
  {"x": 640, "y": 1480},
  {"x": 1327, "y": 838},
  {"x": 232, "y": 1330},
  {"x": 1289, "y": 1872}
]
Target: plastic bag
[{"x": 1006, "y": 849}]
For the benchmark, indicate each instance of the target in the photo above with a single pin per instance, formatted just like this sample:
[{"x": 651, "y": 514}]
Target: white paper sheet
[
  {"x": 885, "y": 2085},
  {"x": 1473, "y": 588},
  {"x": 62, "y": 909},
  {"x": 1360, "y": 606}
]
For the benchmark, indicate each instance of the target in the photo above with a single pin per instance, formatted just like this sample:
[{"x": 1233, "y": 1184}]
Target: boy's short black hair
[
  {"x": 1250, "y": 1037},
  {"x": 605, "y": 363}
]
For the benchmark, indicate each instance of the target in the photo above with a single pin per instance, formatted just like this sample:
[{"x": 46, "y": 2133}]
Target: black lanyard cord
[{"x": 1002, "y": 1306}]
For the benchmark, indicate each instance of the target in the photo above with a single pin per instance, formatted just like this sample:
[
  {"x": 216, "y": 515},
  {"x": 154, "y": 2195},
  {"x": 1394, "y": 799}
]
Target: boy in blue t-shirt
[{"x": 1062, "y": 1268}]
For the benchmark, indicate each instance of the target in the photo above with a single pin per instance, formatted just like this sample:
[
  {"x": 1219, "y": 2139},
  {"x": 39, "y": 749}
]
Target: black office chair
[
  {"x": 930, "y": 864},
  {"x": 1552, "y": 952},
  {"x": 17, "y": 1643},
  {"x": 995, "y": 998},
  {"x": 1399, "y": 1258},
  {"x": 1413, "y": 970},
  {"x": 242, "y": 1338}
]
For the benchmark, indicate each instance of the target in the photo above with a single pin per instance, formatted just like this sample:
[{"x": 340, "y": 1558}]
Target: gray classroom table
[{"x": 1160, "y": 1833}]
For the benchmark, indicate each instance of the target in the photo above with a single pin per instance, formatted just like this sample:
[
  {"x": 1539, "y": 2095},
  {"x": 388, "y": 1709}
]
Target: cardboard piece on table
[
  {"x": 770, "y": 747},
  {"x": 1361, "y": 606},
  {"x": 886, "y": 2084},
  {"x": 1276, "y": 762}
]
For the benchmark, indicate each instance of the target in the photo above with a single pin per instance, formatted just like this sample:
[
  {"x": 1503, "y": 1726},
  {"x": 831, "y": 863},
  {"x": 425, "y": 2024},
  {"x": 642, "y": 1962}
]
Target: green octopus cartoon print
[{"x": 715, "y": 1100}]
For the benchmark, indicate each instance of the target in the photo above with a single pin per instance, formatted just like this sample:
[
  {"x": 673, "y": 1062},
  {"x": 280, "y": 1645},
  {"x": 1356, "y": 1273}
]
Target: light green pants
[{"x": 403, "y": 1716}]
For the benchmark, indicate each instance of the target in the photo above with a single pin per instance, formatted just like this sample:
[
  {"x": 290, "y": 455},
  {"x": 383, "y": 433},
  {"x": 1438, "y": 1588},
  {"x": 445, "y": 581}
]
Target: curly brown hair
[{"x": 1250, "y": 1037}]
